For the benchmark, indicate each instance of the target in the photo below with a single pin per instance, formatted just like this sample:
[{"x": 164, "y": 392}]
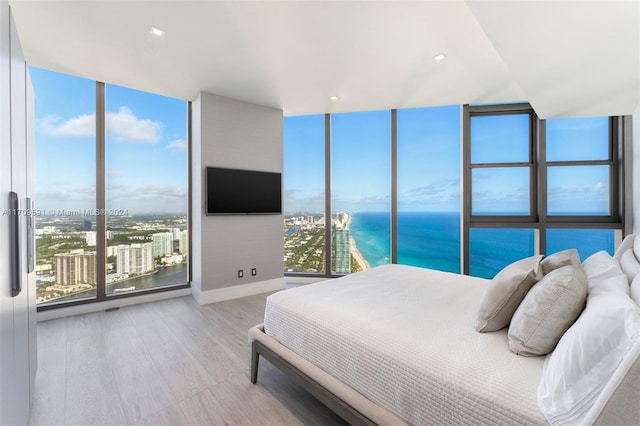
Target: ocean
[{"x": 432, "y": 240}]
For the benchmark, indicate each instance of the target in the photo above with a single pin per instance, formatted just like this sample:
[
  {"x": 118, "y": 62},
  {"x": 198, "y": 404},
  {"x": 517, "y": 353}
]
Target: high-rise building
[
  {"x": 122, "y": 259},
  {"x": 176, "y": 233},
  {"x": 134, "y": 258},
  {"x": 162, "y": 243},
  {"x": 341, "y": 220},
  {"x": 343, "y": 251},
  {"x": 77, "y": 267},
  {"x": 90, "y": 237},
  {"x": 184, "y": 242}
]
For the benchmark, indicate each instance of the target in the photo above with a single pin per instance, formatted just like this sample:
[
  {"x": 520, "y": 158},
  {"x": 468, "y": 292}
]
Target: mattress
[{"x": 403, "y": 337}]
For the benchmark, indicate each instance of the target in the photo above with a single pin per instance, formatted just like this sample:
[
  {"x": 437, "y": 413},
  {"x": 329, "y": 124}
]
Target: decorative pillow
[
  {"x": 629, "y": 264},
  {"x": 505, "y": 292},
  {"x": 636, "y": 247},
  {"x": 586, "y": 357},
  {"x": 548, "y": 310},
  {"x": 634, "y": 291},
  {"x": 560, "y": 259},
  {"x": 599, "y": 267},
  {"x": 626, "y": 244}
]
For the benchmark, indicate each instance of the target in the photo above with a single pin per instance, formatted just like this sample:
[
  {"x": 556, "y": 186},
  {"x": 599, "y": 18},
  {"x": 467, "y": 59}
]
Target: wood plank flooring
[{"x": 170, "y": 362}]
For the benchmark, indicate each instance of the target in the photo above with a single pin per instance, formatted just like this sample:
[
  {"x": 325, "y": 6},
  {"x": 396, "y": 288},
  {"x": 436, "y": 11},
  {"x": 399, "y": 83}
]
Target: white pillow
[
  {"x": 600, "y": 266},
  {"x": 626, "y": 244},
  {"x": 629, "y": 264},
  {"x": 587, "y": 355},
  {"x": 634, "y": 291},
  {"x": 636, "y": 247}
]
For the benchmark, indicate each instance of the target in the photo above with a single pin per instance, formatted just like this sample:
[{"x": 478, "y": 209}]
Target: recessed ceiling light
[
  {"x": 333, "y": 98},
  {"x": 439, "y": 56},
  {"x": 156, "y": 31}
]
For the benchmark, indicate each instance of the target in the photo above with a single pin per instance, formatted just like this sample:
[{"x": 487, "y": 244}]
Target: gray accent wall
[{"x": 240, "y": 135}]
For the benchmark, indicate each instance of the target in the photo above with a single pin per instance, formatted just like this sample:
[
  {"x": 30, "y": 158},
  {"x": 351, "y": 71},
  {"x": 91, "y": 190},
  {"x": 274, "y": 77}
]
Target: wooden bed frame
[
  {"x": 328, "y": 398},
  {"x": 273, "y": 352}
]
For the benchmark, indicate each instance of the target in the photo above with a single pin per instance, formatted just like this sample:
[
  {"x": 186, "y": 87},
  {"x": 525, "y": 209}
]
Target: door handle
[
  {"x": 31, "y": 242},
  {"x": 16, "y": 272}
]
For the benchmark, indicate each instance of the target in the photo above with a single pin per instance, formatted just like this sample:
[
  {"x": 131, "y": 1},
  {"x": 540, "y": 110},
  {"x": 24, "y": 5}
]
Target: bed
[{"x": 396, "y": 345}]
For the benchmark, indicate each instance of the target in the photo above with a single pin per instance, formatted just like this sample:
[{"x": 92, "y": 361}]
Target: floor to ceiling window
[
  {"x": 538, "y": 185},
  {"x": 65, "y": 179},
  {"x": 360, "y": 190},
  {"x": 501, "y": 170},
  {"x": 581, "y": 168},
  {"x": 304, "y": 194},
  {"x": 428, "y": 170},
  {"x": 90, "y": 246},
  {"x": 146, "y": 190},
  {"x": 394, "y": 189}
]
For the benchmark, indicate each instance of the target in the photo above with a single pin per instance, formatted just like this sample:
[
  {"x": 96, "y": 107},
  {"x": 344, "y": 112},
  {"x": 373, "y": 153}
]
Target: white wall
[{"x": 234, "y": 134}]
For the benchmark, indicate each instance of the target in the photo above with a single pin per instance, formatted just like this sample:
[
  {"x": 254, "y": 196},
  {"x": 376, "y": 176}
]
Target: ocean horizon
[{"x": 432, "y": 240}]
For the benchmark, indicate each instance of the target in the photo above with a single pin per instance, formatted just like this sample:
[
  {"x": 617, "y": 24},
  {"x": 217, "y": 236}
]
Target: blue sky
[
  {"x": 428, "y": 157},
  {"x": 147, "y": 156},
  {"x": 429, "y": 163},
  {"x": 146, "y": 147}
]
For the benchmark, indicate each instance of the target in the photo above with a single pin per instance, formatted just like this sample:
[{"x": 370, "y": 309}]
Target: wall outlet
[
  {"x": 240, "y": 273},
  {"x": 254, "y": 272}
]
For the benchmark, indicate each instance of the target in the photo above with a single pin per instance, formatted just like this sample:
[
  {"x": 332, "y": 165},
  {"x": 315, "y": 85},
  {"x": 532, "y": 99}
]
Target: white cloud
[
  {"x": 179, "y": 144},
  {"x": 599, "y": 187},
  {"x": 81, "y": 126},
  {"x": 122, "y": 191},
  {"x": 123, "y": 125}
]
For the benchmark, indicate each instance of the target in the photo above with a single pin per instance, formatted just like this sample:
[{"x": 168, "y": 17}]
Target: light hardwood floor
[{"x": 171, "y": 362}]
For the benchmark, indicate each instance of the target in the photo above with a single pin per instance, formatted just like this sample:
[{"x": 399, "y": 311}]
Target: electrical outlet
[
  {"x": 254, "y": 272},
  {"x": 240, "y": 273}
]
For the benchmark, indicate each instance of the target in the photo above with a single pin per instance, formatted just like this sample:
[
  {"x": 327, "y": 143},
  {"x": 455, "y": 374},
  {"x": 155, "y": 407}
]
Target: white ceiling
[{"x": 568, "y": 58}]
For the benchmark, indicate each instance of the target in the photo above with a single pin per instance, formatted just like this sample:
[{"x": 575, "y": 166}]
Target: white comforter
[{"x": 403, "y": 337}]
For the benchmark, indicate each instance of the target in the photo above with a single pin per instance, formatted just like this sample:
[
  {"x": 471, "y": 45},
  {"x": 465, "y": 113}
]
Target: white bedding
[{"x": 403, "y": 337}]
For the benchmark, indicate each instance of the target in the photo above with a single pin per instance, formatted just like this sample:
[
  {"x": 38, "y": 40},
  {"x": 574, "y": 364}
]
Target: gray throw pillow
[
  {"x": 505, "y": 292},
  {"x": 560, "y": 259},
  {"x": 548, "y": 310}
]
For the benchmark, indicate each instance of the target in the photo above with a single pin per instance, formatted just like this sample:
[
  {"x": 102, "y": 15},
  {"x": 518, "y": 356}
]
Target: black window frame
[{"x": 539, "y": 219}]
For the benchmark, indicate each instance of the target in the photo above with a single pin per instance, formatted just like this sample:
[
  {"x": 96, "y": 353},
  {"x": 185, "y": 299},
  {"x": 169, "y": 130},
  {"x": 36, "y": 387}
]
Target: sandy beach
[
  {"x": 360, "y": 260},
  {"x": 353, "y": 248}
]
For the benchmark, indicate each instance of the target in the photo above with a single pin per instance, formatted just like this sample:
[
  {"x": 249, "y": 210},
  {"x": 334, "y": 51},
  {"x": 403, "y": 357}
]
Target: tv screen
[{"x": 232, "y": 191}]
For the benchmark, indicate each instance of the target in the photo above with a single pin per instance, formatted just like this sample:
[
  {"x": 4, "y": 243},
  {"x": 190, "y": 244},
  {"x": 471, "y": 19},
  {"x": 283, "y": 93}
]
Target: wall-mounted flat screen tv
[{"x": 233, "y": 191}]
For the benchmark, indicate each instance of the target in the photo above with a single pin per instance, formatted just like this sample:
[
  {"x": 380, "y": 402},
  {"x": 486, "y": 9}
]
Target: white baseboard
[
  {"x": 236, "y": 291},
  {"x": 101, "y": 306}
]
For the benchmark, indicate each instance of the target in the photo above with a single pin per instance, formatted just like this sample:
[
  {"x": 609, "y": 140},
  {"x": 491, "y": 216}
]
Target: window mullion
[
  {"x": 394, "y": 186},
  {"x": 101, "y": 218},
  {"x": 541, "y": 142},
  {"x": 466, "y": 189},
  {"x": 328, "y": 269}
]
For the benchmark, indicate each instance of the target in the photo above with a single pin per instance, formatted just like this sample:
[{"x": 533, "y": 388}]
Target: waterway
[{"x": 168, "y": 275}]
